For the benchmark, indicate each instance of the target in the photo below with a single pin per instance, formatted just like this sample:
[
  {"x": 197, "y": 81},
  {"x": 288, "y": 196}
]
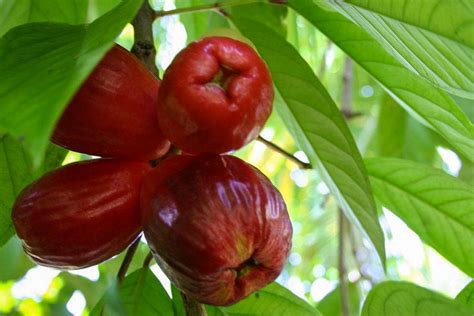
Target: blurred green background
[{"x": 380, "y": 127}]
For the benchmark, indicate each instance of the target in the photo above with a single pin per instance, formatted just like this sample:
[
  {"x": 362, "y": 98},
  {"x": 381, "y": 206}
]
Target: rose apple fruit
[
  {"x": 216, "y": 225},
  {"x": 114, "y": 112},
  {"x": 215, "y": 96},
  {"x": 81, "y": 214}
]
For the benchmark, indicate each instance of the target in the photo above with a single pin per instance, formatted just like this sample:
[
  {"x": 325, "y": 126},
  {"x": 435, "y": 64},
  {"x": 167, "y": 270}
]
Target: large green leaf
[
  {"x": 433, "y": 39},
  {"x": 437, "y": 206},
  {"x": 402, "y": 298},
  {"x": 16, "y": 12},
  {"x": 331, "y": 303},
  {"x": 317, "y": 125},
  {"x": 431, "y": 106},
  {"x": 466, "y": 296},
  {"x": 272, "y": 300},
  {"x": 16, "y": 171},
  {"x": 140, "y": 293},
  {"x": 43, "y": 64}
]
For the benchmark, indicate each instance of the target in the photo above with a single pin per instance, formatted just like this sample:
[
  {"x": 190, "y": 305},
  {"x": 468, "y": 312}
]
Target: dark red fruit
[
  {"x": 216, "y": 225},
  {"x": 81, "y": 214},
  {"x": 114, "y": 112},
  {"x": 215, "y": 96}
]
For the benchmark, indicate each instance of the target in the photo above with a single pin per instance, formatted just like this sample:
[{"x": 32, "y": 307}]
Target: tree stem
[
  {"x": 127, "y": 260},
  {"x": 144, "y": 49},
  {"x": 192, "y": 307},
  {"x": 144, "y": 46},
  {"x": 344, "y": 293},
  {"x": 278, "y": 149}
]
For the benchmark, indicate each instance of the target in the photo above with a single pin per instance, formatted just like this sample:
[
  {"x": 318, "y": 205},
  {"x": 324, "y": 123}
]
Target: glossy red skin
[
  {"x": 200, "y": 116},
  {"x": 207, "y": 218},
  {"x": 114, "y": 112},
  {"x": 81, "y": 214}
]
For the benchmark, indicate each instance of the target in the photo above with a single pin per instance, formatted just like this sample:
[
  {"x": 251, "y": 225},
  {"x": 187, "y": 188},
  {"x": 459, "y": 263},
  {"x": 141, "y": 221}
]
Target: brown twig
[
  {"x": 344, "y": 293},
  {"x": 346, "y": 107},
  {"x": 347, "y": 79},
  {"x": 192, "y": 307},
  {"x": 322, "y": 65},
  {"x": 144, "y": 47},
  {"x": 127, "y": 260},
  {"x": 217, "y": 7},
  {"x": 278, "y": 149}
]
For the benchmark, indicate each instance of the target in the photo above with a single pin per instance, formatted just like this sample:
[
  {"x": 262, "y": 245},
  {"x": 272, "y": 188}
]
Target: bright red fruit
[
  {"x": 114, "y": 112},
  {"x": 215, "y": 96},
  {"x": 81, "y": 214},
  {"x": 217, "y": 226}
]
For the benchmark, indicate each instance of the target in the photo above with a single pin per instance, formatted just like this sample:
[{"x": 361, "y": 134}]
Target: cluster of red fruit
[{"x": 216, "y": 225}]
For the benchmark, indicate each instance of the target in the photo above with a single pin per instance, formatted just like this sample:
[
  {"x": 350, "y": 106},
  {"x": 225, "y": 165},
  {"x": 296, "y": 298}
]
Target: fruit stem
[
  {"x": 127, "y": 260},
  {"x": 217, "y": 6},
  {"x": 192, "y": 307},
  {"x": 144, "y": 47},
  {"x": 278, "y": 149}
]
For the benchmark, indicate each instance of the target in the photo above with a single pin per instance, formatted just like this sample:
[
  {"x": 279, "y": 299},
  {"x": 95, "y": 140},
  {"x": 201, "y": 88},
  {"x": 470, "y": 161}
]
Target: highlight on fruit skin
[
  {"x": 215, "y": 96},
  {"x": 81, "y": 214},
  {"x": 216, "y": 225},
  {"x": 114, "y": 112}
]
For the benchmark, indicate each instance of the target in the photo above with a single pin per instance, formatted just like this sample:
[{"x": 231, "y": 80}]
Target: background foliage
[{"x": 375, "y": 95}]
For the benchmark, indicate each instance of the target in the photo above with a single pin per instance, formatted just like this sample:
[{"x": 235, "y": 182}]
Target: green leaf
[
  {"x": 402, "y": 298},
  {"x": 140, "y": 294},
  {"x": 178, "y": 306},
  {"x": 331, "y": 303},
  {"x": 433, "y": 39},
  {"x": 466, "y": 296},
  {"x": 100, "y": 7},
  {"x": 429, "y": 105},
  {"x": 273, "y": 299},
  {"x": 13, "y": 260},
  {"x": 16, "y": 171},
  {"x": 271, "y": 16},
  {"x": 49, "y": 63},
  {"x": 110, "y": 303},
  {"x": 437, "y": 206},
  {"x": 13, "y": 13},
  {"x": 318, "y": 127}
]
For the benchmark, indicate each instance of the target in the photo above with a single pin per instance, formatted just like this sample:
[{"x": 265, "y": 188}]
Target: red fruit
[
  {"x": 215, "y": 96},
  {"x": 216, "y": 225},
  {"x": 114, "y": 112},
  {"x": 81, "y": 214}
]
